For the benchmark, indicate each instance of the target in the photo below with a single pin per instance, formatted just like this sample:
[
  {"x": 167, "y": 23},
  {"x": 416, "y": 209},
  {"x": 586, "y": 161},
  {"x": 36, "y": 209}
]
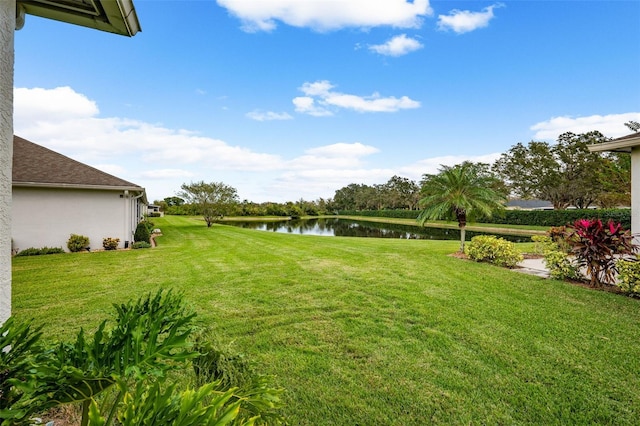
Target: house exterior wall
[
  {"x": 7, "y": 27},
  {"x": 635, "y": 193},
  {"x": 48, "y": 216}
]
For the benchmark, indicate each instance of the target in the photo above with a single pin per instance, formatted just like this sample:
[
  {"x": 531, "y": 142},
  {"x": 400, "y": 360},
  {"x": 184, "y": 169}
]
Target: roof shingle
[{"x": 35, "y": 164}]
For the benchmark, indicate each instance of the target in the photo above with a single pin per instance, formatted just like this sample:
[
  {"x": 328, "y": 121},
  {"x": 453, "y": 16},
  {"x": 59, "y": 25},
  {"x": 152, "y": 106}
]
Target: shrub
[
  {"x": 154, "y": 214},
  {"x": 110, "y": 243},
  {"x": 32, "y": 251},
  {"x": 543, "y": 243},
  {"x": 597, "y": 246},
  {"x": 629, "y": 276},
  {"x": 560, "y": 265},
  {"x": 140, "y": 245},
  {"x": 489, "y": 248},
  {"x": 77, "y": 243},
  {"x": 142, "y": 233}
]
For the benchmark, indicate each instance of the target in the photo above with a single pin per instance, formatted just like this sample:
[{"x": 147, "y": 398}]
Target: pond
[{"x": 334, "y": 227}]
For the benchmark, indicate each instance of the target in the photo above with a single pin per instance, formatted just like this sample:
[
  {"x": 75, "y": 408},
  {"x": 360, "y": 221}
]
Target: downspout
[
  {"x": 134, "y": 207},
  {"x": 125, "y": 196}
]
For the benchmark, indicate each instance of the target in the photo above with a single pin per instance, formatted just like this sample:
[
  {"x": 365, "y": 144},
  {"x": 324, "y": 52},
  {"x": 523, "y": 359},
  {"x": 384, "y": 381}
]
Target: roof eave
[
  {"x": 77, "y": 186},
  {"x": 617, "y": 145},
  {"x": 116, "y": 16}
]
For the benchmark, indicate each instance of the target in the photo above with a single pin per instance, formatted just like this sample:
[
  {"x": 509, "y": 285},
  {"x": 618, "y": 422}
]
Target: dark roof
[
  {"x": 36, "y": 165},
  {"x": 631, "y": 136}
]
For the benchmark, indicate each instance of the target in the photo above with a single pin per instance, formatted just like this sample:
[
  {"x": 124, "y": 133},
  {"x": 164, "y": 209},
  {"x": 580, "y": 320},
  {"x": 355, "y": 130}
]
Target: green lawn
[{"x": 370, "y": 331}]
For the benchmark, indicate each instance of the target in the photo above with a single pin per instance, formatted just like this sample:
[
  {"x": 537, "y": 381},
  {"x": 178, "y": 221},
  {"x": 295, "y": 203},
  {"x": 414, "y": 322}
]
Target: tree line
[{"x": 564, "y": 173}]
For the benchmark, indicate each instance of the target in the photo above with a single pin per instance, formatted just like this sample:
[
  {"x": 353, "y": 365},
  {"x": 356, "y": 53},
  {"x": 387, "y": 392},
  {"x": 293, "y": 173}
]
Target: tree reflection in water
[{"x": 334, "y": 227}]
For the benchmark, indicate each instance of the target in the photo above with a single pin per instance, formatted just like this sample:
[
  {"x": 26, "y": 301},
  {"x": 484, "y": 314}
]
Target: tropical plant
[
  {"x": 598, "y": 246},
  {"x": 119, "y": 373},
  {"x": 462, "y": 192}
]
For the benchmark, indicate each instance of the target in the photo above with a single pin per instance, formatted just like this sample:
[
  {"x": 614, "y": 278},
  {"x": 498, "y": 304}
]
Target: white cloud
[
  {"x": 464, "y": 21},
  {"x": 397, "y": 46},
  {"x": 166, "y": 174},
  {"x": 268, "y": 115},
  {"x": 307, "y": 105},
  {"x": 321, "y": 99},
  {"x": 611, "y": 125},
  {"x": 327, "y": 15},
  {"x": 432, "y": 165}
]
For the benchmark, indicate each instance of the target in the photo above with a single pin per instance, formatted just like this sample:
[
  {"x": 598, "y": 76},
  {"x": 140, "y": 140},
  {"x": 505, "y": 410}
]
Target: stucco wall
[
  {"x": 47, "y": 217},
  {"x": 7, "y": 26}
]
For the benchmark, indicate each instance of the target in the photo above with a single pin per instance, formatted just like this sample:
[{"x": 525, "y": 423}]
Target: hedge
[{"x": 520, "y": 217}]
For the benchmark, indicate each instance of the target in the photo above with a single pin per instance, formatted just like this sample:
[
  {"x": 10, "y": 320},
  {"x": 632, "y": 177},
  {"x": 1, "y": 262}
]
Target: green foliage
[
  {"x": 489, "y": 248},
  {"x": 560, "y": 217},
  {"x": 32, "y": 251},
  {"x": 257, "y": 397},
  {"x": 394, "y": 214},
  {"x": 18, "y": 377},
  {"x": 142, "y": 233},
  {"x": 565, "y": 173},
  {"x": 155, "y": 214},
  {"x": 141, "y": 245},
  {"x": 461, "y": 192},
  {"x": 629, "y": 276},
  {"x": 77, "y": 243},
  {"x": 543, "y": 243},
  {"x": 110, "y": 243},
  {"x": 214, "y": 200},
  {"x": 560, "y": 265},
  {"x": 150, "y": 405},
  {"x": 596, "y": 247},
  {"x": 149, "y": 339}
]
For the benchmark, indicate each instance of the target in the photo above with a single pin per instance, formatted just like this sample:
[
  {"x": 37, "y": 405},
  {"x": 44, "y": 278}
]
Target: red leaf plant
[{"x": 597, "y": 247}]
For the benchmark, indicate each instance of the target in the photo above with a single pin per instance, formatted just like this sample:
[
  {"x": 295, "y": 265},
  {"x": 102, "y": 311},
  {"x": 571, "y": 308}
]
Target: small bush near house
[
  {"x": 142, "y": 233},
  {"x": 77, "y": 243},
  {"x": 489, "y": 248},
  {"x": 556, "y": 259},
  {"x": 32, "y": 251},
  {"x": 140, "y": 245},
  {"x": 154, "y": 214},
  {"x": 110, "y": 243},
  {"x": 629, "y": 276}
]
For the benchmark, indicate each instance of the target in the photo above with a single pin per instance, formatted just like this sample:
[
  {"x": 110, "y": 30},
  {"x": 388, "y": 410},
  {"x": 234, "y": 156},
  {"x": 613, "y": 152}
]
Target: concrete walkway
[{"x": 533, "y": 267}]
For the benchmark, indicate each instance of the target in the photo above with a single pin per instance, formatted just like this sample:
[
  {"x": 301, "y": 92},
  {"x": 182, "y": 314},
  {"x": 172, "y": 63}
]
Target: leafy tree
[
  {"x": 213, "y": 200},
  {"x": 462, "y": 192},
  {"x": 633, "y": 126},
  {"x": 615, "y": 178},
  {"x": 174, "y": 201},
  {"x": 565, "y": 173},
  {"x": 401, "y": 192}
]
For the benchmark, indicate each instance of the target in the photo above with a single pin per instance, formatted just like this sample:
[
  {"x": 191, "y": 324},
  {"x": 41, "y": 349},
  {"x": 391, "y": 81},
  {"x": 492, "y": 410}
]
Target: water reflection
[{"x": 333, "y": 227}]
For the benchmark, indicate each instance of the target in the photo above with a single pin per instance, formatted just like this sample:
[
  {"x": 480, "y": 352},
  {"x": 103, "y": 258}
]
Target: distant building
[
  {"x": 55, "y": 196},
  {"x": 516, "y": 204}
]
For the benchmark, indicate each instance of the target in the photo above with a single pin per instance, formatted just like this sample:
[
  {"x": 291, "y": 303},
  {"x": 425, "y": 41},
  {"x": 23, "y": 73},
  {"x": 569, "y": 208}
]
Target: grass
[{"x": 369, "y": 331}]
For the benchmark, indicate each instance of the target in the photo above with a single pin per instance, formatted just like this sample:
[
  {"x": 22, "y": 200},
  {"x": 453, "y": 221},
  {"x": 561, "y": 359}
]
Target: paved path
[{"x": 533, "y": 267}]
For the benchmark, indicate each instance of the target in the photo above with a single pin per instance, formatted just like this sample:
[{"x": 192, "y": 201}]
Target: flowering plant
[{"x": 597, "y": 246}]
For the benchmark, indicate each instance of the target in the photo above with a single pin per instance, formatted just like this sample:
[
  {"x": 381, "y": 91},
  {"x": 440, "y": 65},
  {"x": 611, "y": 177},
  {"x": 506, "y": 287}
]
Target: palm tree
[{"x": 461, "y": 192}]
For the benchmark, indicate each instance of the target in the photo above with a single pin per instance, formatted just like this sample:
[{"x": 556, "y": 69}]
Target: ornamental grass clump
[
  {"x": 489, "y": 248},
  {"x": 597, "y": 246}
]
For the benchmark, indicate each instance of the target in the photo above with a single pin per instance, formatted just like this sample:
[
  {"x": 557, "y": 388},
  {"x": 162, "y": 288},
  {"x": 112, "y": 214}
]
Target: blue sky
[{"x": 291, "y": 99}]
